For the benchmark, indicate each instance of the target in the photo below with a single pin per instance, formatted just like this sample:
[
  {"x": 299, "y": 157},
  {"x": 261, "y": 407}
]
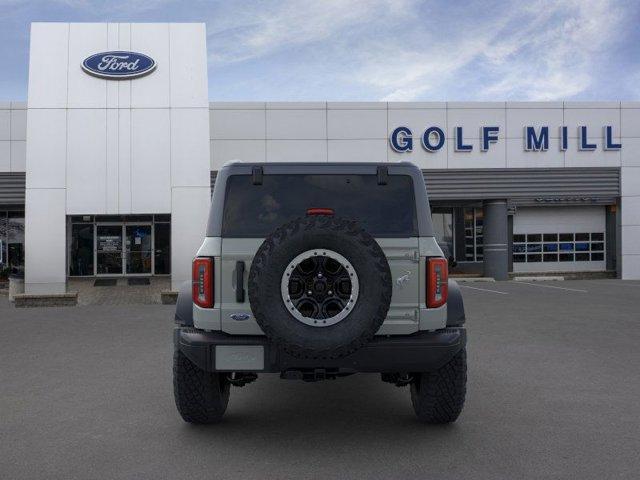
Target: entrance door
[
  {"x": 138, "y": 243},
  {"x": 109, "y": 249}
]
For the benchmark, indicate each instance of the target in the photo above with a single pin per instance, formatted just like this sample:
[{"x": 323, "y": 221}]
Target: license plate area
[{"x": 236, "y": 358}]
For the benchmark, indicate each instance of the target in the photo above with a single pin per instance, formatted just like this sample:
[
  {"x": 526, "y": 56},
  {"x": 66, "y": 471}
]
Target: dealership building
[{"x": 107, "y": 168}]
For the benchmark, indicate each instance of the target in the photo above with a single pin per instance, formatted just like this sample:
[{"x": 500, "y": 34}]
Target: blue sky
[{"x": 378, "y": 49}]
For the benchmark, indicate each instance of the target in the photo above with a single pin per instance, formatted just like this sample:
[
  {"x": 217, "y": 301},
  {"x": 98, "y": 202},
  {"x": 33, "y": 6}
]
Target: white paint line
[
  {"x": 539, "y": 279},
  {"x": 484, "y": 289},
  {"x": 473, "y": 279},
  {"x": 551, "y": 286},
  {"x": 616, "y": 283}
]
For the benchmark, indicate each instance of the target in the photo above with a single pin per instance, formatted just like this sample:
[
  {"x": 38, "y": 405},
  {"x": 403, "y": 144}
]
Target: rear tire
[
  {"x": 201, "y": 397},
  {"x": 438, "y": 397}
]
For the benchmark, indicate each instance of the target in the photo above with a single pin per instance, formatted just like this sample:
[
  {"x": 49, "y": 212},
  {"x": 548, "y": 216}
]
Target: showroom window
[
  {"x": 558, "y": 247},
  {"x": 473, "y": 233},
  {"x": 115, "y": 245},
  {"x": 11, "y": 242},
  {"x": 442, "y": 219}
]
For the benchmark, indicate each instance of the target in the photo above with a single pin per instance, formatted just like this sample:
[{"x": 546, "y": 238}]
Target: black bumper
[{"x": 420, "y": 352}]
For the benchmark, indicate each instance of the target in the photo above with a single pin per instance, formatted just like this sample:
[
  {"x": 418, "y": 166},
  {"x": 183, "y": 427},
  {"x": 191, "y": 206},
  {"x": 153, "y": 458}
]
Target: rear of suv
[{"x": 319, "y": 271}]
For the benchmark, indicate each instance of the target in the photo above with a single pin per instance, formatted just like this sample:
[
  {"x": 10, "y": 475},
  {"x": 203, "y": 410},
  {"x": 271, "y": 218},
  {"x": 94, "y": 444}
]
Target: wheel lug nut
[
  {"x": 329, "y": 292},
  {"x": 309, "y": 292}
]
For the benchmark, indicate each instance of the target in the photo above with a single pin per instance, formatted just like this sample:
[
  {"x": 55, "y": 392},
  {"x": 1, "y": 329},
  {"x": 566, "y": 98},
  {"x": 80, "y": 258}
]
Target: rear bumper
[{"x": 420, "y": 352}]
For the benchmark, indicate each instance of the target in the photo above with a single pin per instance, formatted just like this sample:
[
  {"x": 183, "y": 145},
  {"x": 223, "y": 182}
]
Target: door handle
[{"x": 240, "y": 281}]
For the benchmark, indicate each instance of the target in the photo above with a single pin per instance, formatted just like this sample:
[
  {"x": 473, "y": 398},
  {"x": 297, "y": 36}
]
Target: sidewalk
[{"x": 121, "y": 293}]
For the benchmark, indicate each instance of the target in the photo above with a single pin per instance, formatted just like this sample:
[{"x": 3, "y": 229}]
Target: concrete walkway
[{"x": 121, "y": 293}]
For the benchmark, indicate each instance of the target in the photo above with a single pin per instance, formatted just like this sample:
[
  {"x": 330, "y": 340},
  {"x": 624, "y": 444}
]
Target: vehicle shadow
[{"x": 343, "y": 413}]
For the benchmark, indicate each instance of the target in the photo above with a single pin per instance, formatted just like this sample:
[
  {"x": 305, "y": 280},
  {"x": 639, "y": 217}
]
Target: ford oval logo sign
[{"x": 118, "y": 65}]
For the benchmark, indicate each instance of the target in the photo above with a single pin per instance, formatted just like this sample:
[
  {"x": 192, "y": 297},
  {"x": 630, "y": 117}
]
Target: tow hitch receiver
[{"x": 314, "y": 375}]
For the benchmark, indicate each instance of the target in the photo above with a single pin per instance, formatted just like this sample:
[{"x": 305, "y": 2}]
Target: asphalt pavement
[{"x": 553, "y": 392}]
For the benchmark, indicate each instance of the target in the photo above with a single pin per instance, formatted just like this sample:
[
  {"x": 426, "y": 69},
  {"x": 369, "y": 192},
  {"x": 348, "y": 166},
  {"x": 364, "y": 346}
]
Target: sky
[{"x": 377, "y": 50}]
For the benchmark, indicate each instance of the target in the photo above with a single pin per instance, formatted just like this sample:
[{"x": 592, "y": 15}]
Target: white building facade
[{"x": 119, "y": 171}]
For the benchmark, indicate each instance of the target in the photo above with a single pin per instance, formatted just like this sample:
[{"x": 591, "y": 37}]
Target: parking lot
[{"x": 554, "y": 392}]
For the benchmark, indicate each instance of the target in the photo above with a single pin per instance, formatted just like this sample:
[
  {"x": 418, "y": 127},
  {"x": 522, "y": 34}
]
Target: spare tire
[{"x": 320, "y": 287}]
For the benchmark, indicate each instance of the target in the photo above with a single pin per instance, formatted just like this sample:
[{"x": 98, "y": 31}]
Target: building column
[
  {"x": 495, "y": 239},
  {"x": 611, "y": 238},
  {"x": 45, "y": 240},
  {"x": 190, "y": 211}
]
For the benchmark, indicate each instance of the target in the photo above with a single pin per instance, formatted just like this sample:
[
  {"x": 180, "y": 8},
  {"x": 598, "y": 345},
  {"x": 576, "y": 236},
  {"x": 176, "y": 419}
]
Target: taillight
[
  {"x": 202, "y": 282},
  {"x": 437, "y": 282},
  {"x": 320, "y": 211}
]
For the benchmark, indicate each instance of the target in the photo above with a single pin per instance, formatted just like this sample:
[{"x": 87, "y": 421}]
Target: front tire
[
  {"x": 438, "y": 397},
  {"x": 201, "y": 397}
]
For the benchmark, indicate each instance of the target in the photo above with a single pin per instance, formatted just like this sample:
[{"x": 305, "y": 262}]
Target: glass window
[
  {"x": 473, "y": 234},
  {"x": 469, "y": 235},
  {"x": 479, "y": 214},
  {"x": 3, "y": 244},
  {"x": 82, "y": 218},
  {"x": 81, "y": 250},
  {"x": 519, "y": 248},
  {"x": 519, "y": 258},
  {"x": 138, "y": 218},
  {"x": 109, "y": 218},
  {"x": 15, "y": 241},
  {"x": 138, "y": 248},
  {"x": 109, "y": 249},
  {"x": 566, "y": 247},
  {"x": 569, "y": 251},
  {"x": 121, "y": 247},
  {"x": 256, "y": 210},
  {"x": 518, "y": 238},
  {"x": 442, "y": 219},
  {"x": 15, "y": 227},
  {"x": 534, "y": 258},
  {"x": 162, "y": 250}
]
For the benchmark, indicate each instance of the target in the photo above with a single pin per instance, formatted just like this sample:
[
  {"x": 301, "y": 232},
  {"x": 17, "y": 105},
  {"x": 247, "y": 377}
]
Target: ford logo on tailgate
[{"x": 118, "y": 65}]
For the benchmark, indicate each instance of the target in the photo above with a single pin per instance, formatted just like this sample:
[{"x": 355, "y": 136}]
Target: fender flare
[
  {"x": 455, "y": 305},
  {"x": 184, "y": 306}
]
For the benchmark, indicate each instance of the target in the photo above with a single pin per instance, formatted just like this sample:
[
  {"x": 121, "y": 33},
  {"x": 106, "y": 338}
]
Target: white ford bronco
[{"x": 319, "y": 271}]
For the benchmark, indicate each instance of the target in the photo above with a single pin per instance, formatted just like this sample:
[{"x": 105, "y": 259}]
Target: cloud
[
  {"x": 408, "y": 50},
  {"x": 267, "y": 28},
  {"x": 381, "y": 49},
  {"x": 543, "y": 51},
  {"x": 556, "y": 55}
]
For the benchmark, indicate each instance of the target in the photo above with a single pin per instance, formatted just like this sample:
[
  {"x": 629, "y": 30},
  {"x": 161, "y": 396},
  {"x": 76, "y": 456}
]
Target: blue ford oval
[{"x": 118, "y": 65}]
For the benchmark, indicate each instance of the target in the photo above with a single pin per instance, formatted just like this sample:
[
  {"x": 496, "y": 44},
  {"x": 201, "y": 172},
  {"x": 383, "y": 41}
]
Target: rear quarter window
[{"x": 256, "y": 210}]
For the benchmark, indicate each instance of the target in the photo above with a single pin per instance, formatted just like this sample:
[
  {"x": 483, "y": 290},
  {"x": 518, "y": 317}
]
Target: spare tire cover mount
[{"x": 320, "y": 287}]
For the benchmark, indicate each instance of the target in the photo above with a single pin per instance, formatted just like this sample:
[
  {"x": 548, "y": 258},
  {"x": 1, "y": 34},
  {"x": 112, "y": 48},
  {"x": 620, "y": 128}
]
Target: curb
[{"x": 25, "y": 300}]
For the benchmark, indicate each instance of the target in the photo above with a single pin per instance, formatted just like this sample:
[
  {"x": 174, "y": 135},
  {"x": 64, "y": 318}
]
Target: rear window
[{"x": 382, "y": 210}]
